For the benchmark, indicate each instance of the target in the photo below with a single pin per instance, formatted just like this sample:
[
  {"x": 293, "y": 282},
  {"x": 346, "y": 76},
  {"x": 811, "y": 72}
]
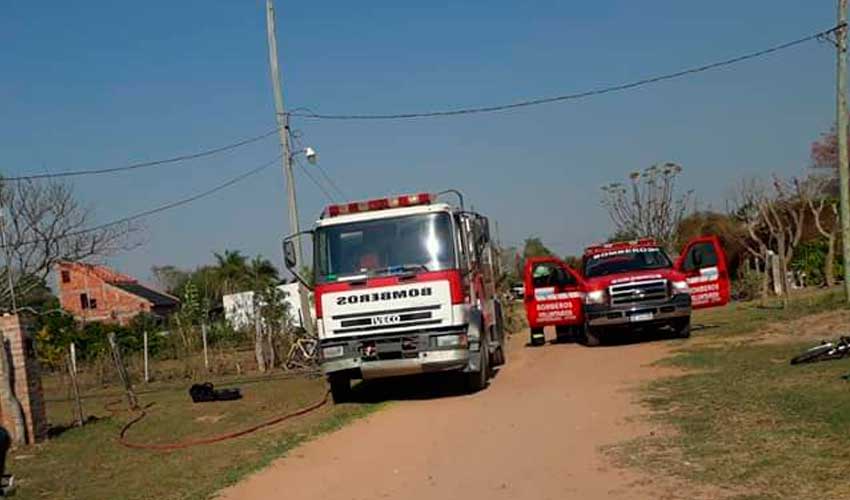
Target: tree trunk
[
  {"x": 258, "y": 344},
  {"x": 272, "y": 355},
  {"x": 10, "y": 402},
  {"x": 765, "y": 280},
  {"x": 829, "y": 262}
]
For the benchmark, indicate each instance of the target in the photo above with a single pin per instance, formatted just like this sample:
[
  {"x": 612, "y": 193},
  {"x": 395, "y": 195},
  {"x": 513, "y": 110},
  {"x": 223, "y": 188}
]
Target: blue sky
[{"x": 102, "y": 83}]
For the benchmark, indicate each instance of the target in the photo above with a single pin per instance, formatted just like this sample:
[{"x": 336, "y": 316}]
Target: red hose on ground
[{"x": 215, "y": 439}]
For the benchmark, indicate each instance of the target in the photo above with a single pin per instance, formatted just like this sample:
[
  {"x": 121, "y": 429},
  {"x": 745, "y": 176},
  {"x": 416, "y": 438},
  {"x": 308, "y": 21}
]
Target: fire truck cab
[{"x": 404, "y": 285}]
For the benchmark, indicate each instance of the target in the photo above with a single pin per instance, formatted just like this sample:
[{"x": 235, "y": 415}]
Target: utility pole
[
  {"x": 283, "y": 129},
  {"x": 841, "y": 126}
]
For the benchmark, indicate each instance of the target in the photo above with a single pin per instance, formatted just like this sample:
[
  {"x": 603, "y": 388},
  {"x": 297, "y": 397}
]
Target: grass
[
  {"x": 89, "y": 463},
  {"x": 746, "y": 422}
]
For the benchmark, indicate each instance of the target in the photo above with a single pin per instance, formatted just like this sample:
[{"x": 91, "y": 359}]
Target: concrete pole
[
  {"x": 283, "y": 129},
  {"x": 841, "y": 126}
]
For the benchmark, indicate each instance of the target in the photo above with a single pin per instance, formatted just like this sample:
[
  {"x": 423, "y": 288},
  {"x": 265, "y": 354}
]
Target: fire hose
[{"x": 122, "y": 438}]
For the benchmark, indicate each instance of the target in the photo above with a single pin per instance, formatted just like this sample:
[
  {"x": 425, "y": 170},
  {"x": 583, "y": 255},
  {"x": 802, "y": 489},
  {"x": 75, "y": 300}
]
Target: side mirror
[{"x": 289, "y": 254}]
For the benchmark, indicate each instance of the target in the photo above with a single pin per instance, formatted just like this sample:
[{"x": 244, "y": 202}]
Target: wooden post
[
  {"x": 72, "y": 372},
  {"x": 147, "y": 373},
  {"x": 132, "y": 401},
  {"x": 204, "y": 338}
]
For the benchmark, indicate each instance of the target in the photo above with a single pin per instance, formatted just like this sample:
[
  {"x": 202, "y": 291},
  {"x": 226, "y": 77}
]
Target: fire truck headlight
[
  {"x": 458, "y": 340},
  {"x": 334, "y": 351},
  {"x": 680, "y": 287},
  {"x": 596, "y": 297}
]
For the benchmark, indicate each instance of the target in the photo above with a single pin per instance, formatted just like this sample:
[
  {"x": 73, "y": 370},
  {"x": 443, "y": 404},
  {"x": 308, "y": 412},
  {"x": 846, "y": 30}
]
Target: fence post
[
  {"x": 204, "y": 336},
  {"x": 147, "y": 373},
  {"x": 132, "y": 401}
]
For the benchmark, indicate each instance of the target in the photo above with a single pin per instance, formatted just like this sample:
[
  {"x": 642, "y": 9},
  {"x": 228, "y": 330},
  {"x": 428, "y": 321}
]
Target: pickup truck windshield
[
  {"x": 624, "y": 261},
  {"x": 385, "y": 246}
]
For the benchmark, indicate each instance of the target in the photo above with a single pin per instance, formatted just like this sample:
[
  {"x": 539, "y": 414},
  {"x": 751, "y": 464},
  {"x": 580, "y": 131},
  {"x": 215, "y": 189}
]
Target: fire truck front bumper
[
  {"x": 395, "y": 355},
  {"x": 677, "y": 307}
]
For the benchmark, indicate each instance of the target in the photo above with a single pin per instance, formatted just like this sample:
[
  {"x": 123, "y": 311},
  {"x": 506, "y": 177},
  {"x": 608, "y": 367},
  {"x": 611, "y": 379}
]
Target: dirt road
[{"x": 534, "y": 433}]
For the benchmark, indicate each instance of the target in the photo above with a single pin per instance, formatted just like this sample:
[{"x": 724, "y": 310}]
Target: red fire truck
[
  {"x": 625, "y": 286},
  {"x": 404, "y": 285}
]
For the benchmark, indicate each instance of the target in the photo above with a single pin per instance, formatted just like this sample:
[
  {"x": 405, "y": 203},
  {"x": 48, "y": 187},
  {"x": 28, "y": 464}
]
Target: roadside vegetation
[
  {"x": 743, "y": 421},
  {"x": 89, "y": 462}
]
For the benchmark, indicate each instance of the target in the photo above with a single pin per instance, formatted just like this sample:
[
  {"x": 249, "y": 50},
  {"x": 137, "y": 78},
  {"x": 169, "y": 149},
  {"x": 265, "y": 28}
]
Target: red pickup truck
[{"x": 624, "y": 287}]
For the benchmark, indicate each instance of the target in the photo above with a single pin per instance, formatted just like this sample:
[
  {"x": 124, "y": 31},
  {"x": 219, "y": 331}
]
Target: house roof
[{"x": 158, "y": 299}]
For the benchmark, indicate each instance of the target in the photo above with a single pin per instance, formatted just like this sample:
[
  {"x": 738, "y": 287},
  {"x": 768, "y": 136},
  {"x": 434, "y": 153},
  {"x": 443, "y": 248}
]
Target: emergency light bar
[
  {"x": 618, "y": 245},
  {"x": 408, "y": 200}
]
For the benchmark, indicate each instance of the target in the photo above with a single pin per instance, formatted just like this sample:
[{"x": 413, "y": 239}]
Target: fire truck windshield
[
  {"x": 625, "y": 260},
  {"x": 384, "y": 246}
]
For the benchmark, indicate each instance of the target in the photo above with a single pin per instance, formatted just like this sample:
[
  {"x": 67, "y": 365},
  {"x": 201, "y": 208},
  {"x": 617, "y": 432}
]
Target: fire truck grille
[{"x": 638, "y": 292}]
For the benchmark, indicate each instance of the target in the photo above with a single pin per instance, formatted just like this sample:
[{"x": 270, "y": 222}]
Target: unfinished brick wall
[
  {"x": 19, "y": 340},
  {"x": 107, "y": 303}
]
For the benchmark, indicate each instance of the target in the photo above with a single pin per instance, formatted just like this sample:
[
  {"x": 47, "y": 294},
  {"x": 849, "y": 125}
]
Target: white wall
[{"x": 239, "y": 307}]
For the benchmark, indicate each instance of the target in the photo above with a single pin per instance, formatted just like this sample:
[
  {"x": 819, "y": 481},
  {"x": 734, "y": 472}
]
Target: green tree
[
  {"x": 232, "y": 271},
  {"x": 534, "y": 247}
]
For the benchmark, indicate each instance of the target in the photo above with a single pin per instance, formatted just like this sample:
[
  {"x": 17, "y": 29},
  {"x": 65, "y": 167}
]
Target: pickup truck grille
[{"x": 638, "y": 292}]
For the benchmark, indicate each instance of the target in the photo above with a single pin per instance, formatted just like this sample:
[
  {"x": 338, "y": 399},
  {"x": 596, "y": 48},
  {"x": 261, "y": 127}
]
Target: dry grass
[
  {"x": 743, "y": 420},
  {"x": 89, "y": 463}
]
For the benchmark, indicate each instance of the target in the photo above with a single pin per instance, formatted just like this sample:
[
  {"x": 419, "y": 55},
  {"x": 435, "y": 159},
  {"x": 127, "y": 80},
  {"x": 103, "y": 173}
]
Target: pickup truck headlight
[
  {"x": 596, "y": 297},
  {"x": 680, "y": 287}
]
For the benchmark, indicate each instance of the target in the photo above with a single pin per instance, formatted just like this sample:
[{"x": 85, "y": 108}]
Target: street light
[{"x": 309, "y": 153}]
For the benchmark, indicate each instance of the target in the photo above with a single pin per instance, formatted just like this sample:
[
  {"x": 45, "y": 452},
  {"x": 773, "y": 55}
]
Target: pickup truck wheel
[
  {"x": 477, "y": 381},
  {"x": 592, "y": 336},
  {"x": 537, "y": 337},
  {"x": 682, "y": 328},
  {"x": 563, "y": 334},
  {"x": 340, "y": 387}
]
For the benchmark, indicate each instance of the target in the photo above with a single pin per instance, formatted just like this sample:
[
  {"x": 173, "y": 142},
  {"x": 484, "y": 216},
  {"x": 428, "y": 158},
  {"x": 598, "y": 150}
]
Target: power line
[
  {"x": 167, "y": 206},
  {"x": 322, "y": 188},
  {"x": 306, "y": 113},
  {"x": 146, "y": 164},
  {"x": 296, "y": 137}
]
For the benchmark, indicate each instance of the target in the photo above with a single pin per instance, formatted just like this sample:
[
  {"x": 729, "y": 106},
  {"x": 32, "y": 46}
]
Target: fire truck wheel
[
  {"x": 499, "y": 356},
  {"x": 682, "y": 328},
  {"x": 340, "y": 387},
  {"x": 477, "y": 381},
  {"x": 592, "y": 336}
]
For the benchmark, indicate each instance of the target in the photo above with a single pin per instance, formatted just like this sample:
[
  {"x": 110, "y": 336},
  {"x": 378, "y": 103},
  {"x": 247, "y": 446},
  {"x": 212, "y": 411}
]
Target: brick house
[{"x": 97, "y": 293}]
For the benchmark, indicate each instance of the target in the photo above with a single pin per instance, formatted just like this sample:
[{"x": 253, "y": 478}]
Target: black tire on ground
[
  {"x": 340, "y": 387},
  {"x": 592, "y": 336},
  {"x": 477, "y": 381},
  {"x": 537, "y": 337},
  {"x": 682, "y": 328},
  {"x": 814, "y": 354}
]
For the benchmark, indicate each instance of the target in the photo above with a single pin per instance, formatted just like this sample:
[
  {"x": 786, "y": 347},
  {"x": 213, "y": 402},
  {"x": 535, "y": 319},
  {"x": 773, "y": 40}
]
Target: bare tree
[
  {"x": 648, "y": 205},
  {"x": 745, "y": 206},
  {"x": 47, "y": 224},
  {"x": 824, "y": 210}
]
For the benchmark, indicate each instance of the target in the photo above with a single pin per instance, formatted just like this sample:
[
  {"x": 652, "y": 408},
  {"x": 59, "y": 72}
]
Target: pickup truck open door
[
  {"x": 554, "y": 295},
  {"x": 703, "y": 262}
]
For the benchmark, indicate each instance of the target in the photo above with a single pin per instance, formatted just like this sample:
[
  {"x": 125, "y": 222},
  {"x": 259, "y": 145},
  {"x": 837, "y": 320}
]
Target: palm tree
[
  {"x": 262, "y": 273},
  {"x": 231, "y": 271}
]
